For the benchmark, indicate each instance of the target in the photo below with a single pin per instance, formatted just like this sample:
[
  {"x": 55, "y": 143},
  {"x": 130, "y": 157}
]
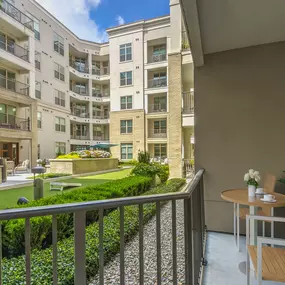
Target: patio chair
[
  {"x": 268, "y": 187},
  {"x": 23, "y": 167},
  {"x": 268, "y": 262},
  {"x": 10, "y": 164}
]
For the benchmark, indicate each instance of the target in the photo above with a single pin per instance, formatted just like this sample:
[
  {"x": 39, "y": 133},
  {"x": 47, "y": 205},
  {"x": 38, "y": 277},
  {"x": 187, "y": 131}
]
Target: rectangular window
[
  {"x": 125, "y": 52},
  {"x": 59, "y": 98},
  {"x": 160, "y": 104},
  {"x": 58, "y": 44},
  {"x": 126, "y": 102},
  {"x": 126, "y": 78},
  {"x": 38, "y": 92},
  {"x": 60, "y": 148},
  {"x": 126, "y": 126},
  {"x": 38, "y": 60},
  {"x": 160, "y": 150},
  {"x": 159, "y": 53},
  {"x": 60, "y": 124},
  {"x": 127, "y": 151},
  {"x": 36, "y": 26},
  {"x": 58, "y": 71},
  {"x": 39, "y": 117},
  {"x": 159, "y": 127}
]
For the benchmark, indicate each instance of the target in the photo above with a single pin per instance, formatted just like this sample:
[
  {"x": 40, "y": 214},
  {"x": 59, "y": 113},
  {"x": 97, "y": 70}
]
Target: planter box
[{"x": 85, "y": 165}]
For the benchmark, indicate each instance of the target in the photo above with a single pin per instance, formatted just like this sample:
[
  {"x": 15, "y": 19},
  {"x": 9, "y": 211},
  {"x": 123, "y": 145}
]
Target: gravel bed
[{"x": 112, "y": 270}]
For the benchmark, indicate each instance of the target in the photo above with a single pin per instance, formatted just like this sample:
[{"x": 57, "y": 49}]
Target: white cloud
[
  {"x": 75, "y": 14},
  {"x": 120, "y": 20}
]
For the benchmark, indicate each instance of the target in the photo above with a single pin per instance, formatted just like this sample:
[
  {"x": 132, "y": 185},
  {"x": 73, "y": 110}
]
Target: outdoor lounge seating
[
  {"x": 23, "y": 167},
  {"x": 60, "y": 186},
  {"x": 10, "y": 167}
]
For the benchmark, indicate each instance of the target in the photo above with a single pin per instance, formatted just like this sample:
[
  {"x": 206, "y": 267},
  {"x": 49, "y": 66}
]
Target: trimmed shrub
[
  {"x": 13, "y": 231},
  {"x": 41, "y": 260},
  {"x": 144, "y": 157},
  {"x": 163, "y": 173}
]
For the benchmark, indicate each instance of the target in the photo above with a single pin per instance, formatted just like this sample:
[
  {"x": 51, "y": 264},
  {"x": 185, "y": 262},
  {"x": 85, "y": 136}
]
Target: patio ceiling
[{"x": 220, "y": 25}]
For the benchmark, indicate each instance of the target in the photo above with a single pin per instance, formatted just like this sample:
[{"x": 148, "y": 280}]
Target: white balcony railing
[
  {"x": 158, "y": 57},
  {"x": 157, "y": 108},
  {"x": 157, "y": 133},
  {"x": 188, "y": 102},
  {"x": 157, "y": 82}
]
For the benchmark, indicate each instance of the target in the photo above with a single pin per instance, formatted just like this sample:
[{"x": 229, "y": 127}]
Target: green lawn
[{"x": 8, "y": 198}]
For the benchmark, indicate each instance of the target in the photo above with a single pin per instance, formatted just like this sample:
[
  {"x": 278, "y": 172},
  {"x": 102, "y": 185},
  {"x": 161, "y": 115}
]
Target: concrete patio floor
[
  {"x": 224, "y": 261},
  {"x": 17, "y": 179}
]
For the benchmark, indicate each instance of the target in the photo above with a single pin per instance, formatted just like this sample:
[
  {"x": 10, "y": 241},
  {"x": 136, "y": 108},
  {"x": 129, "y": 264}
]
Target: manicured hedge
[
  {"x": 41, "y": 267},
  {"x": 13, "y": 231}
]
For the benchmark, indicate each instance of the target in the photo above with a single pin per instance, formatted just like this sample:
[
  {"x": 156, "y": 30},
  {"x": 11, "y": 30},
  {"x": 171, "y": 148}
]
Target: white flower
[
  {"x": 246, "y": 177},
  {"x": 257, "y": 178},
  {"x": 256, "y": 173},
  {"x": 251, "y": 173}
]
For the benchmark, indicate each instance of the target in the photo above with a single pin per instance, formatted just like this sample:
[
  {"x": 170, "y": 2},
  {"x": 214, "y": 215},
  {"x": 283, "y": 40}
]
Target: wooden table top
[{"x": 240, "y": 196}]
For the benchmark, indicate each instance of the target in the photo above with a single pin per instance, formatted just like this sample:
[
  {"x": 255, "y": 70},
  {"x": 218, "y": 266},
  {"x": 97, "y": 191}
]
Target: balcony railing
[
  {"x": 13, "y": 122},
  {"x": 80, "y": 114},
  {"x": 188, "y": 102},
  {"x": 100, "y": 138},
  {"x": 98, "y": 94},
  {"x": 157, "y": 133},
  {"x": 80, "y": 68},
  {"x": 104, "y": 71},
  {"x": 194, "y": 236},
  {"x": 101, "y": 117},
  {"x": 78, "y": 90},
  {"x": 15, "y": 86},
  {"x": 96, "y": 72},
  {"x": 158, "y": 57},
  {"x": 157, "y": 108},
  {"x": 16, "y": 14},
  {"x": 14, "y": 49},
  {"x": 157, "y": 82},
  {"x": 80, "y": 137},
  {"x": 185, "y": 42}
]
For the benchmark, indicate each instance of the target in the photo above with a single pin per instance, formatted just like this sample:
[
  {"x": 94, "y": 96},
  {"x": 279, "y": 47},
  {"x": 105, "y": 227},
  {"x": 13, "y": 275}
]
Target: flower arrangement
[
  {"x": 86, "y": 154},
  {"x": 252, "y": 178}
]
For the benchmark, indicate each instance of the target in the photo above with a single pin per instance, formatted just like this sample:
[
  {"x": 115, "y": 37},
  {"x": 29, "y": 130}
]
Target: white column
[
  {"x": 145, "y": 52},
  {"x": 32, "y": 81}
]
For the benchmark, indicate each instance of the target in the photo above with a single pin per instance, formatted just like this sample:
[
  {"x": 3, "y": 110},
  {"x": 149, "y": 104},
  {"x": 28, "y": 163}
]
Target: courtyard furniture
[
  {"x": 268, "y": 262},
  {"x": 59, "y": 186},
  {"x": 10, "y": 167},
  {"x": 23, "y": 167}
]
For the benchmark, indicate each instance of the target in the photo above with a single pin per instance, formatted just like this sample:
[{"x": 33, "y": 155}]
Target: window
[
  {"x": 126, "y": 102},
  {"x": 126, "y": 126},
  {"x": 126, "y": 78},
  {"x": 96, "y": 67},
  {"x": 97, "y": 131},
  {"x": 38, "y": 92},
  {"x": 80, "y": 64},
  {"x": 59, "y": 98},
  {"x": 58, "y": 44},
  {"x": 127, "y": 151},
  {"x": 125, "y": 52},
  {"x": 105, "y": 67},
  {"x": 160, "y": 150},
  {"x": 159, "y": 53},
  {"x": 159, "y": 127},
  {"x": 39, "y": 117},
  {"x": 60, "y": 148},
  {"x": 58, "y": 71},
  {"x": 60, "y": 124},
  {"x": 159, "y": 104},
  {"x": 37, "y": 60},
  {"x": 36, "y": 26}
]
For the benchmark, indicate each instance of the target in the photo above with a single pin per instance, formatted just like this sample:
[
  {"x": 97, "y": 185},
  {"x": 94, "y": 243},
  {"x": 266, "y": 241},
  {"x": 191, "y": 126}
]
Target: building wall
[{"x": 239, "y": 121}]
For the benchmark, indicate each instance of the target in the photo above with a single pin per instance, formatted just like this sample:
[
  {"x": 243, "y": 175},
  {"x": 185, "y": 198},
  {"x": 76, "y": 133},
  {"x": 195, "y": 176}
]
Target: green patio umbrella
[{"x": 103, "y": 145}]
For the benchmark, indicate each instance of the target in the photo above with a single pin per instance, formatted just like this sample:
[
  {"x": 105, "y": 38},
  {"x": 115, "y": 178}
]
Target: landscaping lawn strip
[
  {"x": 41, "y": 260},
  {"x": 13, "y": 231}
]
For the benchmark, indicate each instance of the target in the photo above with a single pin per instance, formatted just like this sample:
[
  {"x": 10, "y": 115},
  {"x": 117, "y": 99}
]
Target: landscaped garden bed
[
  {"x": 41, "y": 260},
  {"x": 83, "y": 162}
]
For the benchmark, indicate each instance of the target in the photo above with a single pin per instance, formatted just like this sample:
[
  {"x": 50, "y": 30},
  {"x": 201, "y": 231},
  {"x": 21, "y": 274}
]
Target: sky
[{"x": 89, "y": 19}]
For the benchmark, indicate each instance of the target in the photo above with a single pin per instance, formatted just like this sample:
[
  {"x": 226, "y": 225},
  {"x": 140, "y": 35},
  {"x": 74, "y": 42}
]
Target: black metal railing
[
  {"x": 14, "y": 86},
  {"x": 14, "y": 49},
  {"x": 16, "y": 14},
  {"x": 12, "y": 122},
  {"x": 188, "y": 102},
  {"x": 193, "y": 234},
  {"x": 157, "y": 82},
  {"x": 79, "y": 90},
  {"x": 157, "y": 108},
  {"x": 83, "y": 68}
]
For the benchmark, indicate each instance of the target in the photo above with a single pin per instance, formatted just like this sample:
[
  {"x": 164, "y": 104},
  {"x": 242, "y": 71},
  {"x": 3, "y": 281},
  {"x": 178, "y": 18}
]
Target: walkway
[{"x": 16, "y": 180}]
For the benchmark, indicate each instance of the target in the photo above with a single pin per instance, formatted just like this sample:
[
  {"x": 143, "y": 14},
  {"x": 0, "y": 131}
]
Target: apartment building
[{"x": 136, "y": 91}]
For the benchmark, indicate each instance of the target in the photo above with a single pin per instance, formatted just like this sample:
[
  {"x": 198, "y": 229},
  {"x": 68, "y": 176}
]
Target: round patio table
[{"x": 240, "y": 197}]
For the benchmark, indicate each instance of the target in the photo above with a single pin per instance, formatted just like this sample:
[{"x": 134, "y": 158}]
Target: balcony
[
  {"x": 80, "y": 114},
  {"x": 157, "y": 82},
  {"x": 14, "y": 123},
  {"x": 158, "y": 58},
  {"x": 100, "y": 138},
  {"x": 157, "y": 133},
  {"x": 80, "y": 137},
  {"x": 79, "y": 90},
  {"x": 14, "y": 49},
  {"x": 16, "y": 14},
  {"x": 14, "y": 86},
  {"x": 99, "y": 94},
  {"x": 168, "y": 248},
  {"x": 157, "y": 108},
  {"x": 98, "y": 72},
  {"x": 82, "y": 68},
  {"x": 188, "y": 102}
]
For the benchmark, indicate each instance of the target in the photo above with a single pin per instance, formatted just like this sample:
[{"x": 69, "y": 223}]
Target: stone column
[{"x": 175, "y": 114}]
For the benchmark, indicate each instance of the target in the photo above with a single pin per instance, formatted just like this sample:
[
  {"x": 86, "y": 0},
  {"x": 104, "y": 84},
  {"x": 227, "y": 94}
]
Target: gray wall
[{"x": 239, "y": 123}]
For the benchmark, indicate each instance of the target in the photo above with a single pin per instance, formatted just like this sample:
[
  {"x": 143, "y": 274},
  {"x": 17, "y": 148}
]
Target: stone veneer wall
[{"x": 79, "y": 166}]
